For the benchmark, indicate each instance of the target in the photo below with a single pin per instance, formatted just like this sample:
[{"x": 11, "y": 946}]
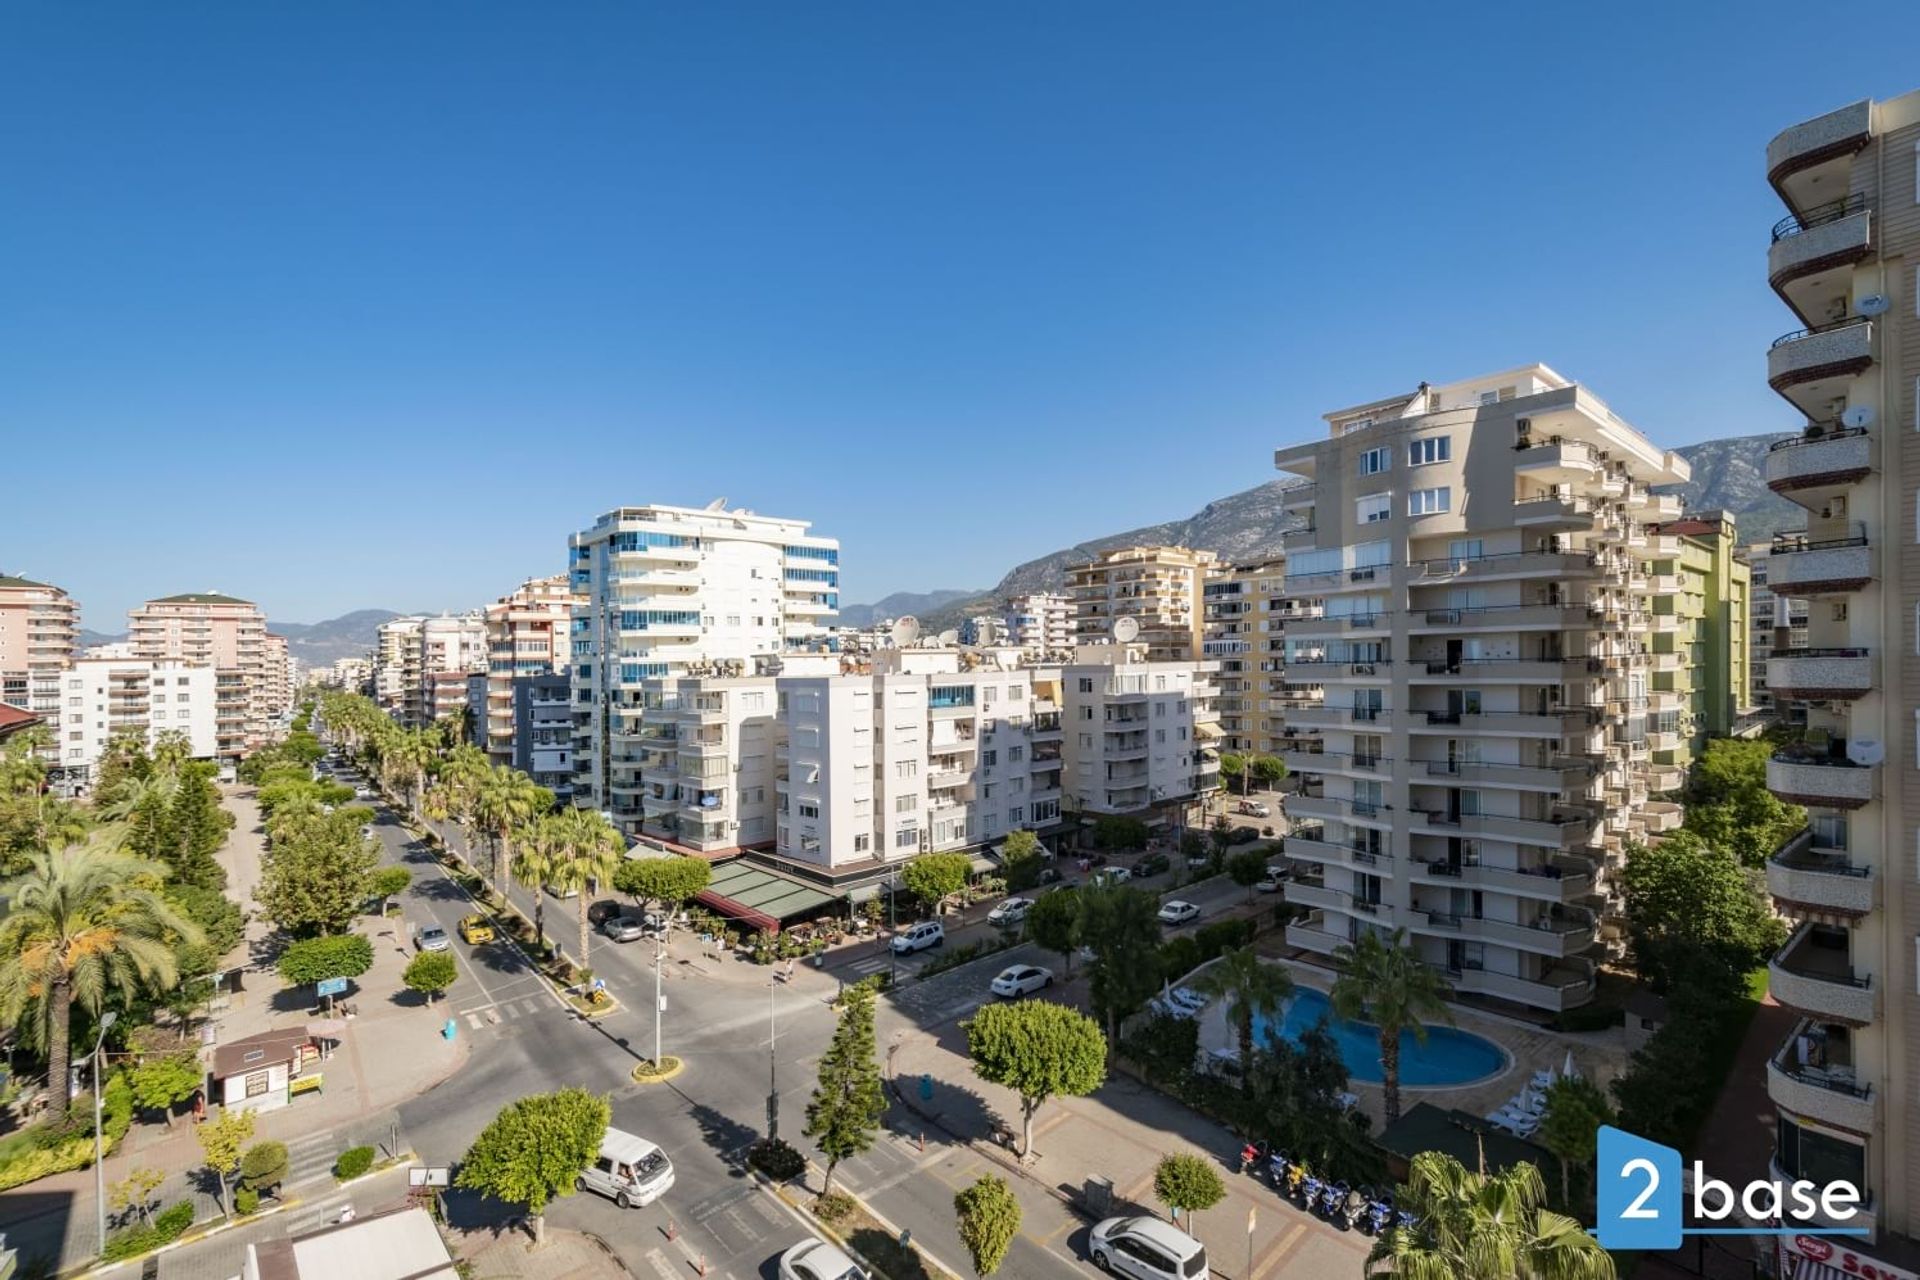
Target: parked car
[
  {"x": 1148, "y": 1249},
  {"x": 364, "y": 793},
  {"x": 1021, "y": 980},
  {"x": 629, "y": 1170},
  {"x": 1112, "y": 875},
  {"x": 1240, "y": 835},
  {"x": 928, "y": 933},
  {"x": 606, "y": 909},
  {"x": 1199, "y": 861},
  {"x": 818, "y": 1260},
  {"x": 1270, "y": 883},
  {"x": 475, "y": 930},
  {"x": 1254, "y": 809},
  {"x": 433, "y": 938},
  {"x": 562, "y": 894},
  {"x": 1178, "y": 912},
  {"x": 625, "y": 928},
  {"x": 1153, "y": 864},
  {"x": 1010, "y": 912},
  {"x": 366, "y": 831}
]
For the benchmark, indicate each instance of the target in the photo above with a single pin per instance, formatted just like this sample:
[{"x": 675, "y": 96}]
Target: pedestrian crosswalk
[
  {"x": 310, "y": 1157},
  {"x": 505, "y": 1011},
  {"x": 869, "y": 965},
  {"x": 317, "y": 1213}
]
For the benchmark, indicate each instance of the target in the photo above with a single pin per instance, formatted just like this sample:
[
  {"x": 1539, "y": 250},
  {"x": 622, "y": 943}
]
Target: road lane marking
[{"x": 1279, "y": 1250}]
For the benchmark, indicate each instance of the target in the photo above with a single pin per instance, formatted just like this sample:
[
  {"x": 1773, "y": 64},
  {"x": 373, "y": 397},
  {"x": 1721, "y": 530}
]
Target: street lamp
[
  {"x": 773, "y": 1065},
  {"x": 99, "y": 1166},
  {"x": 893, "y": 927},
  {"x": 657, "y": 1004}
]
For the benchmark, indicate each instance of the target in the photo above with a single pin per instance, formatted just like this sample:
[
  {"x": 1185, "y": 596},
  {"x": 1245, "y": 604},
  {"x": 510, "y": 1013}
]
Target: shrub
[
  {"x": 1589, "y": 1017},
  {"x": 167, "y": 1226},
  {"x": 245, "y": 1201},
  {"x": 36, "y": 1162},
  {"x": 834, "y": 1208},
  {"x": 1222, "y": 935},
  {"x": 264, "y": 1165},
  {"x": 777, "y": 1159},
  {"x": 353, "y": 1162},
  {"x": 174, "y": 1220},
  {"x": 1179, "y": 955}
]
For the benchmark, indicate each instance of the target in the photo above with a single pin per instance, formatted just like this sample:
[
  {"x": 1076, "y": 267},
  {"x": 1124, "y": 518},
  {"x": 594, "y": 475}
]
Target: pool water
[{"x": 1447, "y": 1056}]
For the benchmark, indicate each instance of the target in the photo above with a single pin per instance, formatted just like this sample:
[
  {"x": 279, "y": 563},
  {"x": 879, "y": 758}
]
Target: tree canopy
[
  {"x": 1729, "y": 806},
  {"x": 1691, "y": 904},
  {"x": 342, "y": 955},
  {"x": 843, "y": 1117},
  {"x": 1039, "y": 1050},
  {"x": 989, "y": 1219},
  {"x": 935, "y": 877},
  {"x": 533, "y": 1150},
  {"x": 316, "y": 874},
  {"x": 669, "y": 881}
]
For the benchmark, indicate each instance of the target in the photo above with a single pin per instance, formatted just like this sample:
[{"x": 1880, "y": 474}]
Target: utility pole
[
  {"x": 99, "y": 1163},
  {"x": 656, "y": 1000},
  {"x": 773, "y": 1066}
]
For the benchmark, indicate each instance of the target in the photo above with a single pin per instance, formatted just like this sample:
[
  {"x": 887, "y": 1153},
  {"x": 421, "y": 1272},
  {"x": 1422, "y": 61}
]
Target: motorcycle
[
  {"x": 1297, "y": 1182},
  {"x": 1252, "y": 1156},
  {"x": 1310, "y": 1189},
  {"x": 1352, "y": 1210},
  {"x": 1379, "y": 1215},
  {"x": 1332, "y": 1197},
  {"x": 1276, "y": 1171}
]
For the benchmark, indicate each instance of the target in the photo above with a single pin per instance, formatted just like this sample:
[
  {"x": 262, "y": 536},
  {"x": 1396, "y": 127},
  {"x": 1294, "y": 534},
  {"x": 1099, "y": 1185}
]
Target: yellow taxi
[{"x": 475, "y": 930}]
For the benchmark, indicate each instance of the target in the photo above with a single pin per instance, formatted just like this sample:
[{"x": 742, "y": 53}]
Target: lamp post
[
  {"x": 893, "y": 925},
  {"x": 773, "y": 1066},
  {"x": 99, "y": 1168},
  {"x": 656, "y": 996}
]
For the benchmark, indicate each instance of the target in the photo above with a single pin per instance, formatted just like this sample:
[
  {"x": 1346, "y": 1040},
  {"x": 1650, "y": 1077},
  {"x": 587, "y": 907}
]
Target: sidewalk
[
  {"x": 566, "y": 1255},
  {"x": 1120, "y": 1133}
]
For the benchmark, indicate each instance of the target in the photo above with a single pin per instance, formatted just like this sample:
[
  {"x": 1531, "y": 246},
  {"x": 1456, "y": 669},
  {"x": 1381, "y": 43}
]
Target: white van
[
  {"x": 1148, "y": 1249},
  {"x": 629, "y": 1170},
  {"x": 928, "y": 933}
]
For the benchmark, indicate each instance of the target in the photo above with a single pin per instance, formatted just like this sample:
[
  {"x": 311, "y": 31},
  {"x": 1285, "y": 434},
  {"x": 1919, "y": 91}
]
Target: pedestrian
[{"x": 199, "y": 1105}]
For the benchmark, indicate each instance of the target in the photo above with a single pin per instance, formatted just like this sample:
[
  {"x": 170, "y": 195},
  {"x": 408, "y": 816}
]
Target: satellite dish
[
  {"x": 718, "y": 504},
  {"x": 1861, "y": 415},
  {"x": 1126, "y": 630},
  {"x": 905, "y": 631},
  {"x": 1871, "y": 305},
  {"x": 1865, "y": 751},
  {"x": 949, "y": 637}
]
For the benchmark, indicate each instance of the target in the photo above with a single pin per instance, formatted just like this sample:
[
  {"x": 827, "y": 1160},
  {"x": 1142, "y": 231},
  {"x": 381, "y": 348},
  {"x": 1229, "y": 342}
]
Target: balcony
[
  {"x": 1826, "y": 456},
  {"x": 1799, "y": 566},
  {"x": 1817, "y": 361},
  {"x": 1809, "y": 163},
  {"x": 1558, "y": 989},
  {"x": 1316, "y": 848},
  {"x": 1805, "y": 880},
  {"x": 1563, "y": 832},
  {"x": 1341, "y": 624},
  {"x": 1552, "y": 511},
  {"x": 1828, "y": 1092},
  {"x": 1505, "y": 564},
  {"x": 1812, "y": 974},
  {"x": 1500, "y": 617},
  {"x": 1559, "y": 937},
  {"x": 1802, "y": 776},
  {"x": 1559, "y": 724},
  {"x": 1563, "y": 880},
  {"x": 1310, "y": 934},
  {"x": 1555, "y": 777},
  {"x": 1821, "y": 675}
]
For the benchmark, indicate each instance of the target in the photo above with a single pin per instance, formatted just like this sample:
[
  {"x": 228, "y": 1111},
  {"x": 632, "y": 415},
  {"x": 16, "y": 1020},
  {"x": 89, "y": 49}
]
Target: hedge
[
  {"x": 167, "y": 1226},
  {"x": 353, "y": 1162}
]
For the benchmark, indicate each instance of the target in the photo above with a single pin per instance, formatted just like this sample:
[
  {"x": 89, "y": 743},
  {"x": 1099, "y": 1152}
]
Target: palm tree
[
  {"x": 1481, "y": 1226},
  {"x": 462, "y": 773},
  {"x": 585, "y": 852},
  {"x": 1387, "y": 984},
  {"x": 535, "y": 862},
  {"x": 505, "y": 802},
  {"x": 57, "y": 823},
  {"x": 408, "y": 762},
  {"x": 83, "y": 925},
  {"x": 1251, "y": 989}
]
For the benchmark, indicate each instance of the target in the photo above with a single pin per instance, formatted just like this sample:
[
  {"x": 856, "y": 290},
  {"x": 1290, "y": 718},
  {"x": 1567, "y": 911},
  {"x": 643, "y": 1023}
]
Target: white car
[
  {"x": 1269, "y": 883},
  {"x": 928, "y": 933},
  {"x": 1148, "y": 1249},
  {"x": 1021, "y": 980},
  {"x": 1112, "y": 875},
  {"x": 1178, "y": 912},
  {"x": 1012, "y": 911},
  {"x": 363, "y": 793},
  {"x": 629, "y": 1170},
  {"x": 818, "y": 1260}
]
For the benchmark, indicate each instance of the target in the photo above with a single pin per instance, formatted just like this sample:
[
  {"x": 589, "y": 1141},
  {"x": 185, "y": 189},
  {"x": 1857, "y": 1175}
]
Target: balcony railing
[
  {"x": 1798, "y": 565},
  {"x": 1840, "y": 348},
  {"x": 1819, "y": 216},
  {"x": 1819, "y": 981},
  {"x": 1803, "y": 881},
  {"x": 1808, "y": 777},
  {"x": 1827, "y": 1092},
  {"x": 1814, "y": 675}
]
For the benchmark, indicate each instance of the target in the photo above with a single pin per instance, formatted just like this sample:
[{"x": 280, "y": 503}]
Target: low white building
[
  {"x": 1142, "y": 738},
  {"x": 102, "y": 697},
  {"x": 1041, "y": 623}
]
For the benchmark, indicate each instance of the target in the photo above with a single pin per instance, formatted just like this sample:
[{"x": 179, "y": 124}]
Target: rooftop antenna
[
  {"x": 905, "y": 631},
  {"x": 949, "y": 638}
]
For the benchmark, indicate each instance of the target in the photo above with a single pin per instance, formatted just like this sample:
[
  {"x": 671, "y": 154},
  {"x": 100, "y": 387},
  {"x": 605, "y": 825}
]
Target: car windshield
[{"x": 649, "y": 1167}]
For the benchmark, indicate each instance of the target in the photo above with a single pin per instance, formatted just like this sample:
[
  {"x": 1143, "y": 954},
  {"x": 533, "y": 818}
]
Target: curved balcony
[
  {"x": 1828, "y": 1093},
  {"x": 1818, "y": 981},
  {"x": 1826, "y": 456},
  {"x": 1797, "y": 566},
  {"x": 1809, "y": 882},
  {"x": 1826, "y": 782},
  {"x": 1808, "y": 163},
  {"x": 1821, "y": 675},
  {"x": 1817, "y": 362},
  {"x": 1813, "y": 254}
]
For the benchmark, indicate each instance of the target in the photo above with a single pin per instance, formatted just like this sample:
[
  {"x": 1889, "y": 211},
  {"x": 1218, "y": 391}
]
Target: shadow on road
[{"x": 726, "y": 1137}]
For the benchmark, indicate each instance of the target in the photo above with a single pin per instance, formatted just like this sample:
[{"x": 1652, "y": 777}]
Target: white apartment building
[
  {"x": 39, "y": 624},
  {"x": 677, "y": 591},
  {"x": 1140, "y": 738},
  {"x": 206, "y": 628},
  {"x": 1474, "y": 563},
  {"x": 1157, "y": 589},
  {"x": 396, "y": 663},
  {"x": 1041, "y": 623},
  {"x": 1845, "y": 1081},
  {"x": 103, "y": 697},
  {"x": 452, "y": 648},
  {"x": 527, "y": 634}
]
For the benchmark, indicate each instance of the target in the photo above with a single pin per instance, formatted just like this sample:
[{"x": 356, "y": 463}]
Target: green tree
[
  {"x": 197, "y": 827},
  {"x": 315, "y": 877},
  {"x": 82, "y": 926},
  {"x": 535, "y": 1149},
  {"x": 1689, "y": 903},
  {"x": 136, "y": 1192},
  {"x": 388, "y": 883},
  {"x": 989, "y": 1219},
  {"x": 1020, "y": 856},
  {"x": 1268, "y": 771},
  {"x": 1220, "y": 835},
  {"x": 311, "y": 960},
  {"x": 1471, "y": 1226},
  {"x": 1233, "y": 768},
  {"x": 1384, "y": 982},
  {"x": 586, "y": 853},
  {"x": 671, "y": 882},
  {"x": 264, "y": 1166},
  {"x": 1117, "y": 834},
  {"x": 848, "y": 1101},
  {"x": 1038, "y": 1049},
  {"x": 534, "y": 865},
  {"x": 1054, "y": 923},
  {"x": 1120, "y": 925},
  {"x": 221, "y": 1141},
  {"x": 503, "y": 803},
  {"x": 1187, "y": 1184},
  {"x": 161, "y": 1081},
  {"x": 935, "y": 877},
  {"x": 1729, "y": 806},
  {"x": 1250, "y": 988},
  {"x": 1247, "y": 868},
  {"x": 430, "y": 973},
  {"x": 1576, "y": 1108}
]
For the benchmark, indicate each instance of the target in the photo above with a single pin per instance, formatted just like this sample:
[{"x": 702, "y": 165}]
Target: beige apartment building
[
  {"x": 1474, "y": 601},
  {"x": 208, "y": 629},
  {"x": 278, "y": 678},
  {"x": 1157, "y": 588},
  {"x": 526, "y": 636},
  {"x": 1246, "y": 608},
  {"x": 39, "y": 626},
  {"x": 1844, "y": 1081},
  {"x": 396, "y": 664}
]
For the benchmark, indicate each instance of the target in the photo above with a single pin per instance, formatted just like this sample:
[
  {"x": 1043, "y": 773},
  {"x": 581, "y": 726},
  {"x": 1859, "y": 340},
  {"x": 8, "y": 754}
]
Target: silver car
[
  {"x": 625, "y": 928},
  {"x": 434, "y": 938}
]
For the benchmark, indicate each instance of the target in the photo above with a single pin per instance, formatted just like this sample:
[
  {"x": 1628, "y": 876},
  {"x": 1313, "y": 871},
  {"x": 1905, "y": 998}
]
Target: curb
[{"x": 774, "y": 1189}]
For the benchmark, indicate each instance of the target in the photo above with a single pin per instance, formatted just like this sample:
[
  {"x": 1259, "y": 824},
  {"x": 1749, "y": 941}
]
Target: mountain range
[
  {"x": 315, "y": 644},
  {"x": 1727, "y": 476}
]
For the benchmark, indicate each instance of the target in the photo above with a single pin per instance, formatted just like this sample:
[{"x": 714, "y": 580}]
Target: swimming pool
[{"x": 1448, "y": 1056}]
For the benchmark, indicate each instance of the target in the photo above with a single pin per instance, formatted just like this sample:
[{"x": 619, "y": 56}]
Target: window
[
  {"x": 901, "y": 804},
  {"x": 907, "y": 769},
  {"x": 1431, "y": 448},
  {"x": 257, "y": 1083},
  {"x": 1374, "y": 507},
  {"x": 1374, "y": 461},
  {"x": 1086, "y": 684},
  {"x": 906, "y": 838},
  {"x": 989, "y": 759},
  {"x": 863, "y": 843},
  {"x": 809, "y": 810},
  {"x": 1016, "y": 754},
  {"x": 1016, "y": 815},
  {"x": 1426, "y": 502}
]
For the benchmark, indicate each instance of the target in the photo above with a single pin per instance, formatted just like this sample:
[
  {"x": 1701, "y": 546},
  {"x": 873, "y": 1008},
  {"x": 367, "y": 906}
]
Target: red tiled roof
[{"x": 13, "y": 719}]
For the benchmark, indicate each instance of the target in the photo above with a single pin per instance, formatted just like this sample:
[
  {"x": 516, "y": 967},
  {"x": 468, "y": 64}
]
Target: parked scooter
[
  {"x": 1332, "y": 1197},
  {"x": 1276, "y": 1170},
  {"x": 1296, "y": 1188},
  {"x": 1379, "y": 1214},
  {"x": 1311, "y": 1188},
  {"x": 1352, "y": 1209},
  {"x": 1253, "y": 1158}
]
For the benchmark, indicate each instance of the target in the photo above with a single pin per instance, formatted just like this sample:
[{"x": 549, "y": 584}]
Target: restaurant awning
[{"x": 757, "y": 897}]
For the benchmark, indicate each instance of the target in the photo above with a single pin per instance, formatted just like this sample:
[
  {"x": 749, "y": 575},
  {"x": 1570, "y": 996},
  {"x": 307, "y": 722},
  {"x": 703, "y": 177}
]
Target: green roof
[
  {"x": 8, "y": 580},
  {"x": 757, "y": 889},
  {"x": 199, "y": 597}
]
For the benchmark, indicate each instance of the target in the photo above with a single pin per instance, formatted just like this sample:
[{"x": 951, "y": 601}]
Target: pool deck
[{"x": 1599, "y": 1056}]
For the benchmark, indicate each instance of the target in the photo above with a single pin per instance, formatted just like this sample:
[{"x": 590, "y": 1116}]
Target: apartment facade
[
  {"x": 452, "y": 648},
  {"x": 1158, "y": 589},
  {"x": 1844, "y": 1084},
  {"x": 527, "y": 637},
  {"x": 1245, "y": 618},
  {"x": 1141, "y": 738},
  {"x": 671, "y": 592},
  {"x": 277, "y": 677},
  {"x": 1041, "y": 623},
  {"x": 207, "y": 628},
  {"x": 1702, "y": 598},
  {"x": 101, "y": 698},
  {"x": 1775, "y": 622},
  {"x": 39, "y": 626},
  {"x": 396, "y": 663},
  {"x": 1474, "y": 566}
]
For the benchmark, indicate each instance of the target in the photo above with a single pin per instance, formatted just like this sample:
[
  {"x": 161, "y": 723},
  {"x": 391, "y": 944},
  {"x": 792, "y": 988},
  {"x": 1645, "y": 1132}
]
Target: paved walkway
[{"x": 566, "y": 1255}]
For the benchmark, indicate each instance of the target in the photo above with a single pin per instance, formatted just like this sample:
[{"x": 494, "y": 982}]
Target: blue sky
[{"x": 353, "y": 305}]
